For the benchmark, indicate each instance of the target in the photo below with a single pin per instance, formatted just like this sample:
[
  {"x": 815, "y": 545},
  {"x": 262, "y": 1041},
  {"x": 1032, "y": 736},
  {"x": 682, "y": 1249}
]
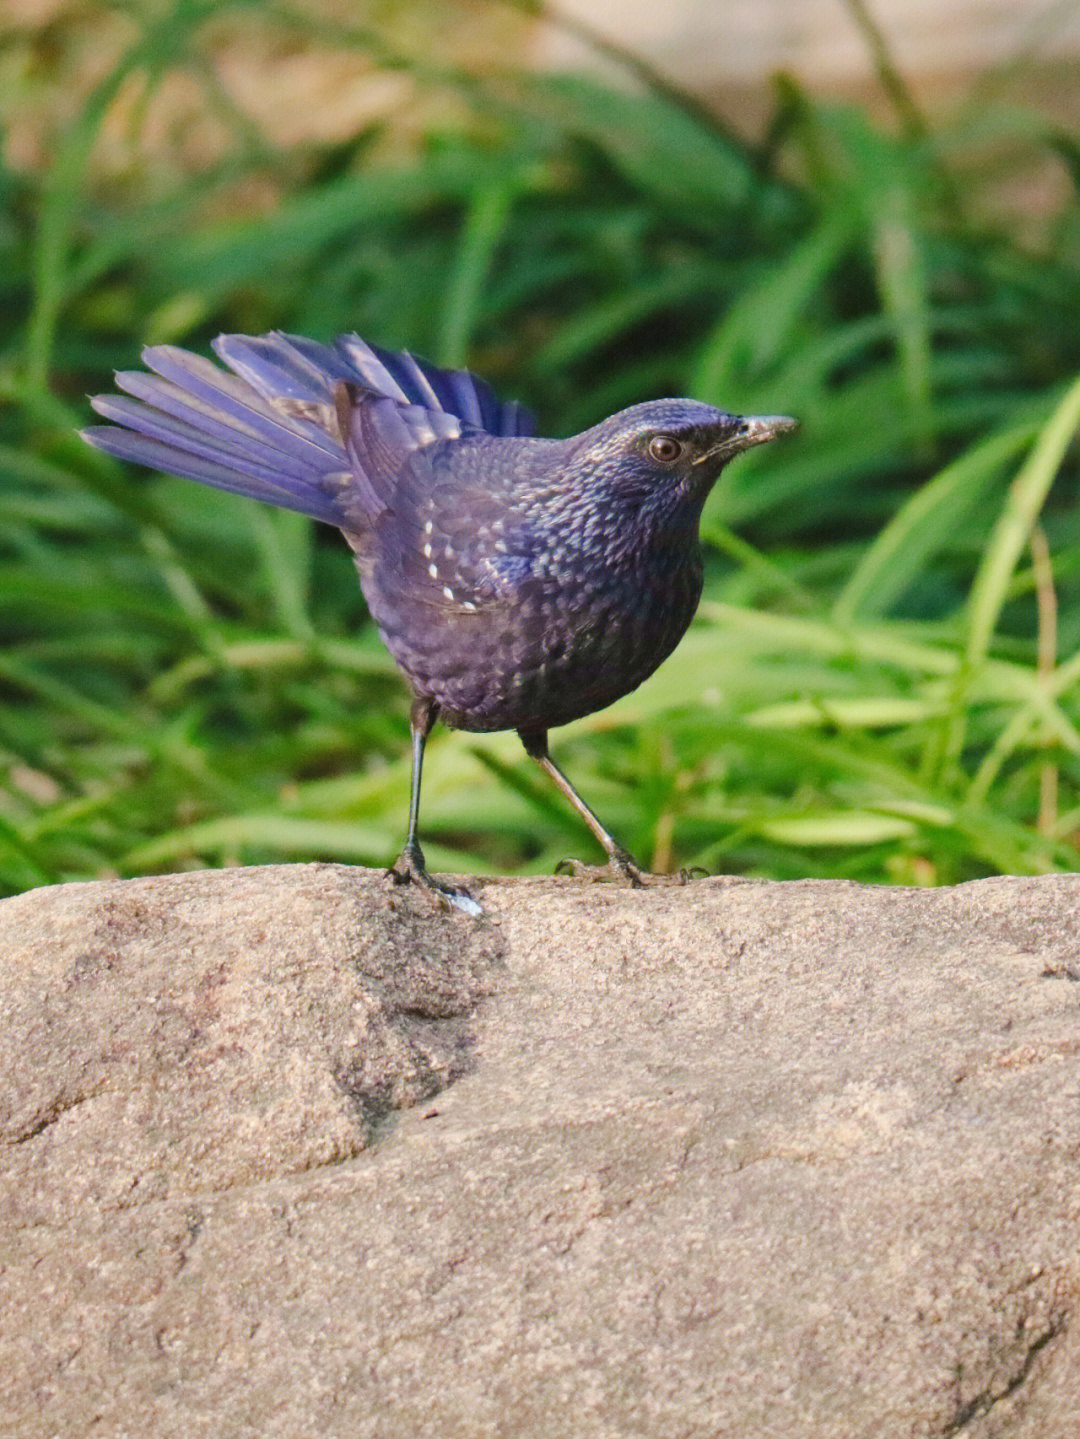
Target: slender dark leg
[
  {"x": 620, "y": 863},
  {"x": 410, "y": 866}
]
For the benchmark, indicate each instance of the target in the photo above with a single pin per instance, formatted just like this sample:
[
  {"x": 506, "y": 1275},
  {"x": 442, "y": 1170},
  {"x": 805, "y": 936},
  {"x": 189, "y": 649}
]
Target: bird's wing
[
  {"x": 411, "y": 382},
  {"x": 383, "y": 407},
  {"x": 324, "y": 429},
  {"x": 459, "y": 536}
]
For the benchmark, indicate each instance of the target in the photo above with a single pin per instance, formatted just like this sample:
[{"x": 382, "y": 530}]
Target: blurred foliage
[{"x": 882, "y": 683}]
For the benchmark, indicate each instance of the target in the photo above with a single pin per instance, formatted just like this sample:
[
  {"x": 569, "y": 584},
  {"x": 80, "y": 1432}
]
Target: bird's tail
[{"x": 271, "y": 426}]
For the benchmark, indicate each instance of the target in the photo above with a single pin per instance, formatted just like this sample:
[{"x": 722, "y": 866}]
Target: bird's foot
[
  {"x": 409, "y": 868},
  {"x": 621, "y": 867},
  {"x": 691, "y": 872}
]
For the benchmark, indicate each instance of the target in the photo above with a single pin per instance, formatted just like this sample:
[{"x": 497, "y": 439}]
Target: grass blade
[
  {"x": 1026, "y": 497},
  {"x": 930, "y": 519}
]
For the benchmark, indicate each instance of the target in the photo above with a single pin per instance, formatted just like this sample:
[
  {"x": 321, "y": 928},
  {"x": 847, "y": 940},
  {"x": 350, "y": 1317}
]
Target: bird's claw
[
  {"x": 621, "y": 867},
  {"x": 409, "y": 868},
  {"x": 691, "y": 872}
]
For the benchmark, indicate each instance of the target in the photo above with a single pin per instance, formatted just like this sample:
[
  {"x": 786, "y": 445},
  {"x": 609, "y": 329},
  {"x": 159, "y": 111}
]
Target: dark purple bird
[{"x": 519, "y": 583}]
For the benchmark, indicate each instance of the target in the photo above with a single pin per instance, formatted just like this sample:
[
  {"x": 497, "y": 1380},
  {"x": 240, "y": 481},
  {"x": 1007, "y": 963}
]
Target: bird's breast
[{"x": 562, "y": 638}]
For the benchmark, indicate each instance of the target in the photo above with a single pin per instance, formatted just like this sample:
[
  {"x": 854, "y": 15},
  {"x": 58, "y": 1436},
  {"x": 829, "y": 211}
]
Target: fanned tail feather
[{"x": 270, "y": 426}]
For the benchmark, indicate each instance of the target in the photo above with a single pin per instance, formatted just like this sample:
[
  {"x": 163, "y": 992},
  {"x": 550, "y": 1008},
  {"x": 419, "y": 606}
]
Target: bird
[{"x": 518, "y": 582}]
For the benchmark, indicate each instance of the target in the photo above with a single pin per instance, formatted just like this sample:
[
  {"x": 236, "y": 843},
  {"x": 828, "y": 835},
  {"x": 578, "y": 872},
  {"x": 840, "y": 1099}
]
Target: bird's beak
[
  {"x": 759, "y": 429},
  {"x": 750, "y": 430}
]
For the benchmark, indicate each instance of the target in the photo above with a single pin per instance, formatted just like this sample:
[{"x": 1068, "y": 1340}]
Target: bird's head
[{"x": 670, "y": 450}]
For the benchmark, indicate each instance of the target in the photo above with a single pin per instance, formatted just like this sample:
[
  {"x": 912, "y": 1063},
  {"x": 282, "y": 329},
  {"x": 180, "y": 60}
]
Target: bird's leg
[
  {"x": 620, "y": 864},
  {"x": 410, "y": 863},
  {"x": 410, "y": 867}
]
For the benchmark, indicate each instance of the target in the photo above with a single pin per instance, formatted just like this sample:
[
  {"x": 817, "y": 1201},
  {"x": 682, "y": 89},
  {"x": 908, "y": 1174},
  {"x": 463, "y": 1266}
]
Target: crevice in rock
[
  {"x": 62, "y": 1104},
  {"x": 986, "y": 1399},
  {"x": 1070, "y": 972}
]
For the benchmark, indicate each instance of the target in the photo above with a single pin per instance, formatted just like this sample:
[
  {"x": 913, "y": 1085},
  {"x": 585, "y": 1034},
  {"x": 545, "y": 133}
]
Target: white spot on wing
[{"x": 433, "y": 571}]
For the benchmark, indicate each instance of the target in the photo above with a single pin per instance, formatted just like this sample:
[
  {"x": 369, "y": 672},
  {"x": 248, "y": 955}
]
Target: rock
[{"x": 285, "y": 1153}]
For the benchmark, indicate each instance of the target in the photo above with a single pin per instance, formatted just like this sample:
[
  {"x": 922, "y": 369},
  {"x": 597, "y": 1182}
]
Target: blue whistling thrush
[{"x": 519, "y": 583}]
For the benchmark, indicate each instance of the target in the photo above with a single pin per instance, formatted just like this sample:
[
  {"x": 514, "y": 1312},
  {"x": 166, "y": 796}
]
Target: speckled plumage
[
  {"x": 519, "y": 583},
  {"x": 521, "y": 590}
]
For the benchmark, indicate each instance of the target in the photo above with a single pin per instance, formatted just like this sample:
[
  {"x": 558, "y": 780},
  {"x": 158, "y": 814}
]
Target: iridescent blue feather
[{"x": 272, "y": 425}]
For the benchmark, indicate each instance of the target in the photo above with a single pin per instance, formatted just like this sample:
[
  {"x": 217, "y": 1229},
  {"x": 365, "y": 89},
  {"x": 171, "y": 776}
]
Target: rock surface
[{"x": 287, "y": 1155}]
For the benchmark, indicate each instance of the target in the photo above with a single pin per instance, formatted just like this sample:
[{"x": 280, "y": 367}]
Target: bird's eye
[{"x": 665, "y": 448}]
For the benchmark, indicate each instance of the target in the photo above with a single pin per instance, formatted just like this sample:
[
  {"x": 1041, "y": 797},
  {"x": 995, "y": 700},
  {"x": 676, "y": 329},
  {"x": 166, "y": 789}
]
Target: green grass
[{"x": 883, "y": 680}]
